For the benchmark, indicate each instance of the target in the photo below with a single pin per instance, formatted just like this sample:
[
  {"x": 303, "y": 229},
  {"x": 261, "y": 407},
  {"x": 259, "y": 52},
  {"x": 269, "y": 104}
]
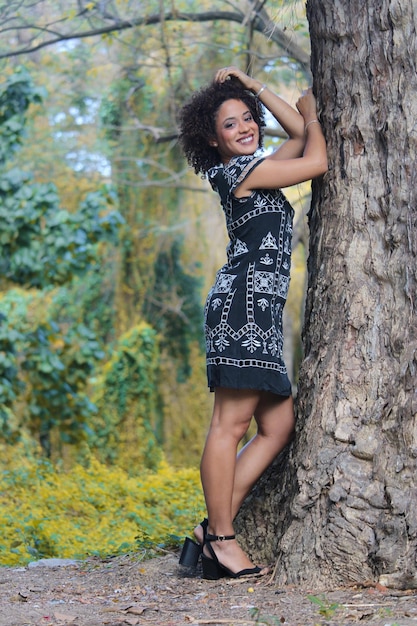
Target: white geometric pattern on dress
[
  {"x": 263, "y": 303},
  {"x": 264, "y": 282},
  {"x": 284, "y": 282},
  {"x": 260, "y": 202},
  {"x": 240, "y": 247},
  {"x": 269, "y": 242},
  {"x": 287, "y": 246},
  {"x": 252, "y": 342},
  {"x": 273, "y": 346},
  {"x": 230, "y": 175},
  {"x": 222, "y": 342},
  {"x": 224, "y": 283},
  {"x": 243, "y": 325},
  {"x": 267, "y": 260}
]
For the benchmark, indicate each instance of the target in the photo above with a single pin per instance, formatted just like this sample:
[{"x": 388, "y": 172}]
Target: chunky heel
[
  {"x": 211, "y": 569},
  {"x": 190, "y": 553},
  {"x": 191, "y": 550}
]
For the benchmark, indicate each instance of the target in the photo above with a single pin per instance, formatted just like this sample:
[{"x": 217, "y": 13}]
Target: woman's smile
[{"x": 246, "y": 140}]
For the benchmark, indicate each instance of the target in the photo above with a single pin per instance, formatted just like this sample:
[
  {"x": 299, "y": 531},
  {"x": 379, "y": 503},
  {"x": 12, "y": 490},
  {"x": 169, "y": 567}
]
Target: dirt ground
[{"x": 127, "y": 590}]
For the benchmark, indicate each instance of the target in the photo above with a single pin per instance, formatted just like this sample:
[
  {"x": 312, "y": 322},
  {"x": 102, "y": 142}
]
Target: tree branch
[{"x": 261, "y": 23}]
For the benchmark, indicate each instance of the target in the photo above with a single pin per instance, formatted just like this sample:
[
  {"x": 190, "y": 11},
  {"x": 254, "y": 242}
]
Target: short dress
[{"x": 243, "y": 311}]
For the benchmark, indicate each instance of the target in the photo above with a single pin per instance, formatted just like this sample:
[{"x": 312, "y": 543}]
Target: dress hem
[{"x": 240, "y": 381}]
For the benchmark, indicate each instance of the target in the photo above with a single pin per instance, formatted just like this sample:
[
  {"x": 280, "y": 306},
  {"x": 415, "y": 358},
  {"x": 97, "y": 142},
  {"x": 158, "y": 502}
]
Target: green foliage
[
  {"x": 46, "y": 512},
  {"x": 269, "y": 620},
  {"x": 89, "y": 300},
  {"x": 186, "y": 407},
  {"x": 174, "y": 308},
  {"x": 16, "y": 94},
  {"x": 10, "y": 385},
  {"x": 112, "y": 107},
  {"x": 48, "y": 367},
  {"x": 157, "y": 284},
  {"x": 125, "y": 395},
  {"x": 326, "y": 608},
  {"x": 58, "y": 365},
  {"x": 43, "y": 244}
]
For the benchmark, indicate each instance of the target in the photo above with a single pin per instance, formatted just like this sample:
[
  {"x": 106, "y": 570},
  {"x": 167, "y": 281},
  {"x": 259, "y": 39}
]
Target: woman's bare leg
[
  {"x": 274, "y": 416},
  {"x": 232, "y": 414},
  {"x": 275, "y": 419}
]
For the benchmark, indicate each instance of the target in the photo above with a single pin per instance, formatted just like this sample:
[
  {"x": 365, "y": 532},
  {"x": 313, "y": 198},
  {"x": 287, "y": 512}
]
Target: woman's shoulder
[
  {"x": 242, "y": 166},
  {"x": 233, "y": 169}
]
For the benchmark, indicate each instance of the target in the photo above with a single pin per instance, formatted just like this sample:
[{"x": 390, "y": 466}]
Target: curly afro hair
[{"x": 197, "y": 120}]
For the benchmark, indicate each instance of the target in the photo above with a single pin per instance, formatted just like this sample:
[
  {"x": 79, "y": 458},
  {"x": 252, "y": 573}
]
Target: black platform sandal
[
  {"x": 191, "y": 550},
  {"x": 213, "y": 569}
]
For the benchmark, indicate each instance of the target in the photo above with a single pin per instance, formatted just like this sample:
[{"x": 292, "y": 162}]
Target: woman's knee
[
  {"x": 275, "y": 418},
  {"x": 229, "y": 427}
]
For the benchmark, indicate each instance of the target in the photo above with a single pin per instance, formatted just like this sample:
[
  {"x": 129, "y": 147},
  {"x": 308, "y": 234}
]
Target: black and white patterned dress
[{"x": 243, "y": 313}]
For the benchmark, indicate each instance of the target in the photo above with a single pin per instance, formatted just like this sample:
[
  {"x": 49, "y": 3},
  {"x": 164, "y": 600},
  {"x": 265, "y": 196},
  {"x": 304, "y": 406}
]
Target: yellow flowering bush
[{"x": 47, "y": 512}]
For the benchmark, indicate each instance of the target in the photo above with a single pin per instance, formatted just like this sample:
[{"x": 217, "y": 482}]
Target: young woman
[{"x": 221, "y": 132}]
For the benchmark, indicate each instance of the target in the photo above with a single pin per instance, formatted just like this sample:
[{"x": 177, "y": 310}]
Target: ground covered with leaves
[{"x": 131, "y": 591}]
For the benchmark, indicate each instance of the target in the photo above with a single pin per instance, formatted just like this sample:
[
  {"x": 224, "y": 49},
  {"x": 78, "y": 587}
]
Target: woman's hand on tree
[{"x": 307, "y": 106}]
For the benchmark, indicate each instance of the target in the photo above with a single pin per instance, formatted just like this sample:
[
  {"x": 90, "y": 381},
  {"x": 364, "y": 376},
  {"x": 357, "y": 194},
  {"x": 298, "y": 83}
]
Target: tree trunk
[{"x": 349, "y": 487}]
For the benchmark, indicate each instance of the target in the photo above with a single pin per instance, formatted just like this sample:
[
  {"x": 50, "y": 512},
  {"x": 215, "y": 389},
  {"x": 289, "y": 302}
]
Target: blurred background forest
[{"x": 109, "y": 246}]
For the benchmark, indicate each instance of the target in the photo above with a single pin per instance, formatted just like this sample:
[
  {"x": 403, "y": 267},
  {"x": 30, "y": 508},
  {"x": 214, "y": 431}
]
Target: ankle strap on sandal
[{"x": 219, "y": 537}]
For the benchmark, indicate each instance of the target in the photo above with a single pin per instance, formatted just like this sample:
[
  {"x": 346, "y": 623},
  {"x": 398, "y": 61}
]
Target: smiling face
[{"x": 237, "y": 133}]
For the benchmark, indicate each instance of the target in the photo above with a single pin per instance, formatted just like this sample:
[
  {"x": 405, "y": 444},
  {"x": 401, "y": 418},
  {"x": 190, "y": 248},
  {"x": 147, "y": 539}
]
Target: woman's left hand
[{"x": 306, "y": 104}]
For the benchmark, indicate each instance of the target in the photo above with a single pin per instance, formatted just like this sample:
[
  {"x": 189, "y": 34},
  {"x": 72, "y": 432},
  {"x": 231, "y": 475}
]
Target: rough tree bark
[{"x": 342, "y": 506}]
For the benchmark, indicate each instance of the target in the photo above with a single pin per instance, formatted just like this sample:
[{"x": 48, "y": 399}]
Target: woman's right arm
[
  {"x": 302, "y": 157},
  {"x": 277, "y": 171}
]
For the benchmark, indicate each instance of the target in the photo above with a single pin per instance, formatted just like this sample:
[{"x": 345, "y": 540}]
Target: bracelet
[
  {"x": 310, "y": 122},
  {"x": 261, "y": 90}
]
